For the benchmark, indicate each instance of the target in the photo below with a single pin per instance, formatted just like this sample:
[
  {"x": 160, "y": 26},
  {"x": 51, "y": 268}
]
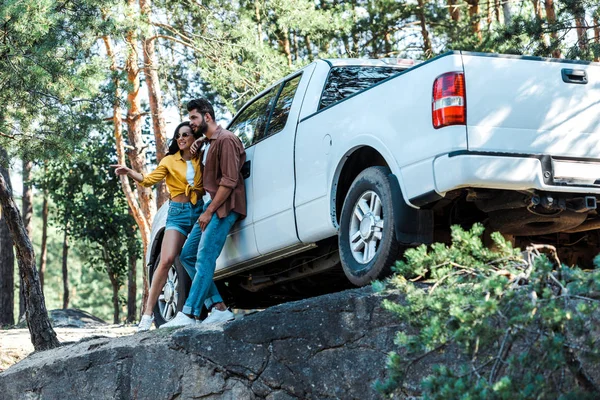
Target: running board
[{"x": 262, "y": 260}]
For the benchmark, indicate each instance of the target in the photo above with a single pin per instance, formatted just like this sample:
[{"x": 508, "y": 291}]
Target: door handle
[
  {"x": 578, "y": 76},
  {"x": 246, "y": 170}
]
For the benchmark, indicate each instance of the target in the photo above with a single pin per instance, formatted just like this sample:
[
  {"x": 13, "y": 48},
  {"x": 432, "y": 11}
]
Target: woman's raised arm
[{"x": 123, "y": 170}]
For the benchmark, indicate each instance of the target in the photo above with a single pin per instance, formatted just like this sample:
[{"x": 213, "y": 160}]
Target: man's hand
[
  {"x": 204, "y": 219},
  {"x": 196, "y": 145}
]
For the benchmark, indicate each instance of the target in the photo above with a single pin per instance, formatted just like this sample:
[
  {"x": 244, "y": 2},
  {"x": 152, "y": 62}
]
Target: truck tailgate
[{"x": 522, "y": 105}]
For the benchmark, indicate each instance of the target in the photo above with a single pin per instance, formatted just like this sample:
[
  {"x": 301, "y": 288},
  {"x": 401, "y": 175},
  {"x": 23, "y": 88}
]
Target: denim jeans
[
  {"x": 199, "y": 258},
  {"x": 182, "y": 216}
]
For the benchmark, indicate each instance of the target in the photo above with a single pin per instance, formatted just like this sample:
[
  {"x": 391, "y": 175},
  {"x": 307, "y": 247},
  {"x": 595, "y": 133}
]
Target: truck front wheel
[
  {"x": 367, "y": 242},
  {"x": 173, "y": 294}
]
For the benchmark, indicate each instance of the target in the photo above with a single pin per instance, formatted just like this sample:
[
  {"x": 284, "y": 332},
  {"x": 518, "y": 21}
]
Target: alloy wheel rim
[
  {"x": 169, "y": 296},
  {"x": 366, "y": 227}
]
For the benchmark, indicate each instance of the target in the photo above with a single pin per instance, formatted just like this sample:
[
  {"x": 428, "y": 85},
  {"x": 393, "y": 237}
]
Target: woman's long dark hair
[{"x": 174, "y": 147}]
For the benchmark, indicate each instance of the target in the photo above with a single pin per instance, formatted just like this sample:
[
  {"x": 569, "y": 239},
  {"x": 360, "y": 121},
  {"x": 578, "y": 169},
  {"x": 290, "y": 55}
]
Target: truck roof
[
  {"x": 370, "y": 62},
  {"x": 342, "y": 62}
]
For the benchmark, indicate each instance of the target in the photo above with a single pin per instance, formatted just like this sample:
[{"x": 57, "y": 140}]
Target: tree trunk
[
  {"x": 596, "y": 36},
  {"x": 27, "y": 197},
  {"x": 497, "y": 10},
  {"x": 284, "y": 40},
  {"x": 43, "y": 336},
  {"x": 308, "y": 45},
  {"x": 354, "y": 31},
  {"x": 375, "y": 34},
  {"x": 474, "y": 17},
  {"x": 7, "y": 259},
  {"x": 454, "y": 10},
  {"x": 258, "y": 21},
  {"x": 131, "y": 278},
  {"x": 137, "y": 155},
  {"x": 581, "y": 26},
  {"x": 295, "y": 45},
  {"x": 326, "y": 43},
  {"x": 388, "y": 44},
  {"x": 65, "y": 270},
  {"x": 131, "y": 289},
  {"x": 551, "y": 17},
  {"x": 155, "y": 99},
  {"x": 537, "y": 9},
  {"x": 134, "y": 206},
  {"x": 115, "y": 297},
  {"x": 426, "y": 41},
  {"x": 27, "y": 216},
  {"x": 506, "y": 12},
  {"x": 44, "y": 249},
  {"x": 346, "y": 42}
]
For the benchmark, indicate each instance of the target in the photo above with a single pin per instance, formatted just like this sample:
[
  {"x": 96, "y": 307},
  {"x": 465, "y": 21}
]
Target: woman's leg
[{"x": 170, "y": 248}]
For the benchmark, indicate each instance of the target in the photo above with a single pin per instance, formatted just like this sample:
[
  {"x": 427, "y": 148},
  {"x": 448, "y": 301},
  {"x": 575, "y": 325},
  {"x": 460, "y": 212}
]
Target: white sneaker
[
  {"x": 180, "y": 320},
  {"x": 217, "y": 317},
  {"x": 145, "y": 323}
]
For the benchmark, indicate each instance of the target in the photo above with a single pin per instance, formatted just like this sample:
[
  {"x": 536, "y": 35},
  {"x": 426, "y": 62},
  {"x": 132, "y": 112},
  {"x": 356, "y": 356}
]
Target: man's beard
[{"x": 202, "y": 128}]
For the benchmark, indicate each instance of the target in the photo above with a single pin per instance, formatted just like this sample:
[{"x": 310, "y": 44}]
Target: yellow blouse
[{"x": 174, "y": 168}]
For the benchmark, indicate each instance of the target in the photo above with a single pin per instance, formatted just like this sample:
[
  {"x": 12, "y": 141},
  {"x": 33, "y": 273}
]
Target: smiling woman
[{"x": 183, "y": 176}]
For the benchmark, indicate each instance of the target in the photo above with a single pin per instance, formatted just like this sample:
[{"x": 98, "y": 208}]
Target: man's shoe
[
  {"x": 218, "y": 317},
  {"x": 180, "y": 320},
  {"x": 145, "y": 323}
]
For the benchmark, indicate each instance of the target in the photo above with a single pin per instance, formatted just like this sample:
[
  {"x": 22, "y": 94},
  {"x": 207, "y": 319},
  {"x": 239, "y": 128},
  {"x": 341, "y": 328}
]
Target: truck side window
[
  {"x": 343, "y": 82},
  {"x": 250, "y": 124},
  {"x": 283, "y": 105}
]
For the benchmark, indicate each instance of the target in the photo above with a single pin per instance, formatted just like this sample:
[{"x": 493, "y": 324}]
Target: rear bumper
[{"x": 501, "y": 172}]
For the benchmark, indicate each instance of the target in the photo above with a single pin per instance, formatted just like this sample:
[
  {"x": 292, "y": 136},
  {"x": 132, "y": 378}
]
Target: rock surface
[
  {"x": 74, "y": 318},
  {"x": 68, "y": 318},
  {"x": 332, "y": 346}
]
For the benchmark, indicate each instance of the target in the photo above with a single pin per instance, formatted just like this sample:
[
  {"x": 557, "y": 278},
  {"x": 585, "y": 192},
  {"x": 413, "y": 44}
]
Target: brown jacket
[{"x": 226, "y": 156}]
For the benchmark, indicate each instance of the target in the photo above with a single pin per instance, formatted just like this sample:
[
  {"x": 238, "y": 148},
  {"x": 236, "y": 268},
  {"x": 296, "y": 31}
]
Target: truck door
[
  {"x": 273, "y": 168},
  {"x": 248, "y": 125}
]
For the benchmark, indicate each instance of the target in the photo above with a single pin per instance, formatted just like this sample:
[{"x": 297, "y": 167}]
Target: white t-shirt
[
  {"x": 190, "y": 173},
  {"x": 206, "y": 197}
]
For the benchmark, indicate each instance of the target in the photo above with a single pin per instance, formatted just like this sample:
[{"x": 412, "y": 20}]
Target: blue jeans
[{"x": 199, "y": 258}]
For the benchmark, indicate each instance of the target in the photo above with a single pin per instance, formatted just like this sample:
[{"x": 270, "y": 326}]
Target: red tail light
[{"x": 449, "y": 104}]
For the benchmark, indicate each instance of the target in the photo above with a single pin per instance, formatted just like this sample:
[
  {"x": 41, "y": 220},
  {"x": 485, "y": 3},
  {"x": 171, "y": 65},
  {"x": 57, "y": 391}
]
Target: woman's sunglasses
[{"x": 180, "y": 135}]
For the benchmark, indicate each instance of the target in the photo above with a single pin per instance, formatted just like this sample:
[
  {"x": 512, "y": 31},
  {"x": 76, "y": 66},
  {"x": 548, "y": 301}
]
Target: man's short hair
[{"x": 203, "y": 106}]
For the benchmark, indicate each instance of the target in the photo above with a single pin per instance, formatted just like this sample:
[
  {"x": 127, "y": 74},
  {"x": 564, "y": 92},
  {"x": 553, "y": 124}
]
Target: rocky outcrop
[
  {"x": 74, "y": 318},
  {"x": 332, "y": 346},
  {"x": 69, "y": 318}
]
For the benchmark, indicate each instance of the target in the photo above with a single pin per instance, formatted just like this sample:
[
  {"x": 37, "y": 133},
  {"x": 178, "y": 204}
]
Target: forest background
[{"x": 87, "y": 83}]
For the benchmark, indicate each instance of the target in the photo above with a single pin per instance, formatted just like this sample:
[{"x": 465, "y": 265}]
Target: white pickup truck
[{"x": 349, "y": 161}]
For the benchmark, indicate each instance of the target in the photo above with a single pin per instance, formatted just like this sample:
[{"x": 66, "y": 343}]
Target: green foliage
[
  {"x": 90, "y": 288},
  {"x": 238, "y": 48},
  {"x": 47, "y": 74},
  {"x": 92, "y": 208},
  {"x": 523, "y": 329}
]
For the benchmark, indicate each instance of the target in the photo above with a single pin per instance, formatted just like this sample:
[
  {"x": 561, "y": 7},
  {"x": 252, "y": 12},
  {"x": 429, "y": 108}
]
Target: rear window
[{"x": 343, "y": 82}]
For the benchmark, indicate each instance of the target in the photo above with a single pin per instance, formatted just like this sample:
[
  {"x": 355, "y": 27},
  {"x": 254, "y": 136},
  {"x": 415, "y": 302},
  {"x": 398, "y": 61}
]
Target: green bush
[{"x": 524, "y": 326}]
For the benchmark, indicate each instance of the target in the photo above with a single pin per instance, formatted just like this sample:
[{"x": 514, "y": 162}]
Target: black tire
[
  {"x": 377, "y": 180},
  {"x": 177, "y": 292}
]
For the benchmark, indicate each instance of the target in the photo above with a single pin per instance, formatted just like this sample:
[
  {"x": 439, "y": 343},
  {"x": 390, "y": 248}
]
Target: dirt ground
[{"x": 15, "y": 344}]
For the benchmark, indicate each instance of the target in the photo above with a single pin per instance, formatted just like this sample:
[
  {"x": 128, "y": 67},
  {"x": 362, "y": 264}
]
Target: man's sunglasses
[{"x": 184, "y": 134}]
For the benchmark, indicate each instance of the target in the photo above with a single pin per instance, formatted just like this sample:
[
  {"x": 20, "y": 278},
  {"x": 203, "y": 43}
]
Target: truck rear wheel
[{"x": 366, "y": 239}]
